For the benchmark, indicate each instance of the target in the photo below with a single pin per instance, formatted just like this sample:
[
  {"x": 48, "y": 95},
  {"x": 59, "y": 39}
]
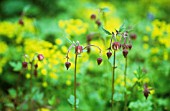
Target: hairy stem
[
  {"x": 113, "y": 77},
  {"x": 75, "y": 82},
  {"x": 125, "y": 94}
]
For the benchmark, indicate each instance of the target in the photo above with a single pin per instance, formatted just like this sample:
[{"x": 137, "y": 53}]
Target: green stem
[
  {"x": 125, "y": 94},
  {"x": 113, "y": 77},
  {"x": 75, "y": 82}
]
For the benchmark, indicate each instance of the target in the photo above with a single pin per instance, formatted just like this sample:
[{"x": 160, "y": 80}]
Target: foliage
[{"x": 48, "y": 27}]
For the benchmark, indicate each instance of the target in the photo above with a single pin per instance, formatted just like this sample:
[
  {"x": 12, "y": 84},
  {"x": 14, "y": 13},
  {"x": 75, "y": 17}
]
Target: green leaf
[
  {"x": 26, "y": 8},
  {"x": 71, "y": 101},
  {"x": 106, "y": 31},
  {"x": 12, "y": 93},
  {"x": 105, "y": 9},
  {"x": 52, "y": 100},
  {"x": 123, "y": 26},
  {"x": 17, "y": 66}
]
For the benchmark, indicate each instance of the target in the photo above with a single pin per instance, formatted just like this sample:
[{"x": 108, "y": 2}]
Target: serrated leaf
[
  {"x": 26, "y": 8},
  {"x": 12, "y": 93},
  {"x": 52, "y": 100},
  {"x": 105, "y": 9},
  {"x": 123, "y": 26},
  {"x": 17, "y": 66},
  {"x": 106, "y": 31},
  {"x": 71, "y": 100}
]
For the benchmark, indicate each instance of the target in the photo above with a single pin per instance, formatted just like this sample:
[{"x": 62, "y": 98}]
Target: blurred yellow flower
[
  {"x": 73, "y": 26},
  {"x": 53, "y": 75},
  {"x": 145, "y": 46},
  {"x": 44, "y": 72},
  {"x": 165, "y": 55},
  {"x": 44, "y": 84},
  {"x": 68, "y": 82},
  {"x": 28, "y": 76},
  {"x": 146, "y": 80},
  {"x": 58, "y": 41},
  {"x": 145, "y": 38},
  {"x": 43, "y": 109},
  {"x": 134, "y": 80},
  {"x": 154, "y": 59},
  {"x": 152, "y": 91},
  {"x": 3, "y": 48},
  {"x": 64, "y": 49},
  {"x": 154, "y": 50}
]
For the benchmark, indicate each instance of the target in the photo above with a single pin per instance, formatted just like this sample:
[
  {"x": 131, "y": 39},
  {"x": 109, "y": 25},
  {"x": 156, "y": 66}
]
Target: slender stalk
[
  {"x": 113, "y": 77},
  {"x": 75, "y": 82},
  {"x": 125, "y": 94}
]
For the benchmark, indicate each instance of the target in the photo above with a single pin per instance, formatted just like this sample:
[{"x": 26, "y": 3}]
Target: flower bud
[
  {"x": 21, "y": 22},
  {"x": 146, "y": 91},
  {"x": 116, "y": 46},
  {"x": 24, "y": 64},
  {"x": 35, "y": 72},
  {"x": 40, "y": 57},
  {"x": 125, "y": 52},
  {"x": 133, "y": 36},
  {"x": 98, "y": 23},
  {"x": 99, "y": 60},
  {"x": 125, "y": 46},
  {"x": 130, "y": 46},
  {"x": 67, "y": 64},
  {"x": 93, "y": 16},
  {"x": 36, "y": 66},
  {"x": 78, "y": 49},
  {"x": 109, "y": 54},
  {"x": 89, "y": 37}
]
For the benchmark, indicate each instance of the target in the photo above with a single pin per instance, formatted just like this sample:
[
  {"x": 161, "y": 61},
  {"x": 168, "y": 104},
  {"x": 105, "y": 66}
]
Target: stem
[
  {"x": 75, "y": 82},
  {"x": 113, "y": 77},
  {"x": 125, "y": 94}
]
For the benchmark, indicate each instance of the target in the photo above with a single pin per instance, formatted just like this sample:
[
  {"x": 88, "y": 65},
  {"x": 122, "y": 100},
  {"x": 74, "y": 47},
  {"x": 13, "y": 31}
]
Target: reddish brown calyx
[
  {"x": 99, "y": 61},
  {"x": 109, "y": 54},
  {"x": 40, "y": 57},
  {"x": 116, "y": 46},
  {"x": 67, "y": 64},
  {"x": 78, "y": 49}
]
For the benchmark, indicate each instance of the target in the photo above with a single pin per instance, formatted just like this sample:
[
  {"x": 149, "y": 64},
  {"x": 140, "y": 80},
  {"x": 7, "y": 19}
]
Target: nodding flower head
[
  {"x": 78, "y": 49},
  {"x": 67, "y": 64},
  {"x": 21, "y": 22},
  {"x": 133, "y": 36},
  {"x": 40, "y": 57},
  {"x": 109, "y": 54},
  {"x": 130, "y": 46},
  {"x": 89, "y": 37},
  {"x": 98, "y": 23},
  {"x": 93, "y": 16},
  {"x": 146, "y": 91},
  {"x": 116, "y": 46},
  {"x": 99, "y": 61},
  {"x": 125, "y": 52},
  {"x": 24, "y": 64}
]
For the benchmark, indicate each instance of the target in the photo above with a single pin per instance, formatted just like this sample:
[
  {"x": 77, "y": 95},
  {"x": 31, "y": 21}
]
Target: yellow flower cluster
[
  {"x": 160, "y": 38},
  {"x": 10, "y": 29},
  {"x": 161, "y": 31},
  {"x": 73, "y": 26},
  {"x": 50, "y": 65}
]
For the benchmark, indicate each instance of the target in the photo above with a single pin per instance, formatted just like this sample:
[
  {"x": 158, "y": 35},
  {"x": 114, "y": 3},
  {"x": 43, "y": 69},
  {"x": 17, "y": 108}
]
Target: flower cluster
[
  {"x": 78, "y": 50},
  {"x": 32, "y": 63},
  {"x": 73, "y": 26},
  {"x": 116, "y": 45}
]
